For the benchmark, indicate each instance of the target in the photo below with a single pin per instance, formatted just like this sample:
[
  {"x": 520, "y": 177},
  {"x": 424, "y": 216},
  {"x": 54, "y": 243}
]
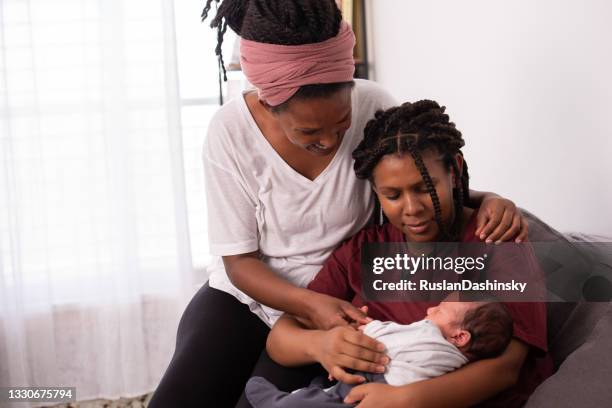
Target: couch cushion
[
  {"x": 576, "y": 329},
  {"x": 573, "y": 263},
  {"x": 583, "y": 379}
]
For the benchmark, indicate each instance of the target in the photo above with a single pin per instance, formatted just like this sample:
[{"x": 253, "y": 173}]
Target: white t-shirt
[{"x": 256, "y": 201}]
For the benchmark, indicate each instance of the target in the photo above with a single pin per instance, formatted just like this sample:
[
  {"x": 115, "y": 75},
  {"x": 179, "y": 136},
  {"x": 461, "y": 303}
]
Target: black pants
[{"x": 219, "y": 345}]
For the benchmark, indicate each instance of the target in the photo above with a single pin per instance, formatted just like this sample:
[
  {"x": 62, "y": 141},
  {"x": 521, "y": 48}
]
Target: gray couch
[{"x": 579, "y": 333}]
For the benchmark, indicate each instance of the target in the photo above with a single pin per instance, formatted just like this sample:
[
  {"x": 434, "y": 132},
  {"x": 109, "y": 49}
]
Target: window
[
  {"x": 199, "y": 92},
  {"x": 98, "y": 99}
]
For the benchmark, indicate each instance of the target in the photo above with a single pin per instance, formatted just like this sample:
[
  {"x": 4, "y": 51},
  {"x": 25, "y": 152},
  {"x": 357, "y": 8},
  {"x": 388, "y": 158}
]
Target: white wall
[{"x": 527, "y": 82}]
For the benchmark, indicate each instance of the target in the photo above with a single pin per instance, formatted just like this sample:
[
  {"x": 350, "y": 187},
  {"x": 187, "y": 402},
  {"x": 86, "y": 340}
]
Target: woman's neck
[
  {"x": 467, "y": 215},
  {"x": 261, "y": 115}
]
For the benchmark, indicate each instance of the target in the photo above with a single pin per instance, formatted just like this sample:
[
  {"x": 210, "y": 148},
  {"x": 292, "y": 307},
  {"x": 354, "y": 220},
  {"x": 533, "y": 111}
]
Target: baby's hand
[
  {"x": 364, "y": 309},
  {"x": 358, "y": 326}
]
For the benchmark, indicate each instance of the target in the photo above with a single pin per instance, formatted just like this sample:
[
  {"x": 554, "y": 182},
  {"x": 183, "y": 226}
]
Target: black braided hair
[
  {"x": 284, "y": 22},
  {"x": 413, "y": 128}
]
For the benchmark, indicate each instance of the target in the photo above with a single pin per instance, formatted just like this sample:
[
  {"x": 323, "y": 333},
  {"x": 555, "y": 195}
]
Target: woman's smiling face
[
  {"x": 317, "y": 124},
  {"x": 404, "y": 196}
]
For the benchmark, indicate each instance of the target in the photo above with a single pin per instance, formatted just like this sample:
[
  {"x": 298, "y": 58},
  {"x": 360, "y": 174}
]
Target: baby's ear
[{"x": 460, "y": 338}]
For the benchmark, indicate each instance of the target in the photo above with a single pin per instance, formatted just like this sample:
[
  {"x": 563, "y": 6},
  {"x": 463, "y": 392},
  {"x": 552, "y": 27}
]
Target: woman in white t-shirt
[{"x": 281, "y": 195}]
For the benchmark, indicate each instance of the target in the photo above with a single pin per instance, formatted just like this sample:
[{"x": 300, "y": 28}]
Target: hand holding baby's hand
[
  {"x": 325, "y": 312},
  {"x": 361, "y": 325}
]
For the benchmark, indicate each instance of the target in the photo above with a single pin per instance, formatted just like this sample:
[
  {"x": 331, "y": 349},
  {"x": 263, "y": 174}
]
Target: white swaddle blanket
[{"x": 418, "y": 351}]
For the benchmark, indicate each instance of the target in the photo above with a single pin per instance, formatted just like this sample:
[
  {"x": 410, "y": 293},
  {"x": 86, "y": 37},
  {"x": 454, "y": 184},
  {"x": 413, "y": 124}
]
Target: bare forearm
[
  {"x": 291, "y": 344},
  {"x": 473, "y": 383},
  {"x": 462, "y": 389},
  {"x": 256, "y": 279}
]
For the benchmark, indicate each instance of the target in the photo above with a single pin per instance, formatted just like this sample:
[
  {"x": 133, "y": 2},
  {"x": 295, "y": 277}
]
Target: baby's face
[{"x": 448, "y": 316}]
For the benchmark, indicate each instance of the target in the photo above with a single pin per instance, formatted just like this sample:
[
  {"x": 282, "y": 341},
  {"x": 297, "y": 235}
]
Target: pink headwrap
[{"x": 278, "y": 71}]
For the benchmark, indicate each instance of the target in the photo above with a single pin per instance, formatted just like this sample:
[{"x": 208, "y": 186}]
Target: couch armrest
[{"x": 583, "y": 379}]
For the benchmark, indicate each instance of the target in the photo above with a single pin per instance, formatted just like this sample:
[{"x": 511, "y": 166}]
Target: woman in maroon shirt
[{"x": 411, "y": 155}]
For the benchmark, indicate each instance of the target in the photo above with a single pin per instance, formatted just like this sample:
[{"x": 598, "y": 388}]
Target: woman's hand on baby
[
  {"x": 325, "y": 312},
  {"x": 376, "y": 395},
  {"x": 344, "y": 347},
  {"x": 498, "y": 220}
]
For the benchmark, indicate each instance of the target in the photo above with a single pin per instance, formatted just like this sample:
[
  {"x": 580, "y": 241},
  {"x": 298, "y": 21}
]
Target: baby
[{"x": 451, "y": 335}]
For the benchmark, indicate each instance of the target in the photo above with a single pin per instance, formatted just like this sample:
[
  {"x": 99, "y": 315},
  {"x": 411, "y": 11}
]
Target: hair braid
[
  {"x": 418, "y": 161},
  {"x": 458, "y": 200}
]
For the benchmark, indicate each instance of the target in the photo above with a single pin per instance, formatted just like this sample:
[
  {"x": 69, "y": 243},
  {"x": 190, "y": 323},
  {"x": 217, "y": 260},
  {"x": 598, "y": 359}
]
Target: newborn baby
[{"x": 452, "y": 334}]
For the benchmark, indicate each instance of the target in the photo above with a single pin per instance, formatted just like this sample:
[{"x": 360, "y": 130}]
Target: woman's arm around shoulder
[{"x": 498, "y": 218}]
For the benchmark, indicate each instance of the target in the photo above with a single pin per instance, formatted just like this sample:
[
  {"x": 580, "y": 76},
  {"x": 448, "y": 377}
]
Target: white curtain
[{"x": 95, "y": 265}]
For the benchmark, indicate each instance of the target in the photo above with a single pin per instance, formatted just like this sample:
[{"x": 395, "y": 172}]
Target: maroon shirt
[{"x": 341, "y": 277}]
